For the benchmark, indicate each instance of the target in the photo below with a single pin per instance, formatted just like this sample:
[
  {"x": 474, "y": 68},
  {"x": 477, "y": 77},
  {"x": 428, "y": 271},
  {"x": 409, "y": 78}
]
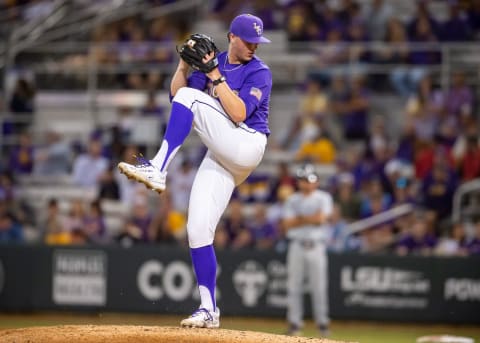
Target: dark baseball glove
[{"x": 194, "y": 49}]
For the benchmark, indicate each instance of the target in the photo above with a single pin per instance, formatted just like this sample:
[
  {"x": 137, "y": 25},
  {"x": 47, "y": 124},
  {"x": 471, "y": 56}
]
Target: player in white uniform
[
  {"x": 305, "y": 218},
  {"x": 233, "y": 123}
]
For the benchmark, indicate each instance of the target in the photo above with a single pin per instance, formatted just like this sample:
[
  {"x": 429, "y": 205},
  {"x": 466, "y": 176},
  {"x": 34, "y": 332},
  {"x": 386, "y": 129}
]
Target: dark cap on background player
[
  {"x": 249, "y": 28},
  {"x": 307, "y": 172}
]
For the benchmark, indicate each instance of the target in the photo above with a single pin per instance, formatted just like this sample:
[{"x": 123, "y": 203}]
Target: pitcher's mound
[{"x": 142, "y": 334}]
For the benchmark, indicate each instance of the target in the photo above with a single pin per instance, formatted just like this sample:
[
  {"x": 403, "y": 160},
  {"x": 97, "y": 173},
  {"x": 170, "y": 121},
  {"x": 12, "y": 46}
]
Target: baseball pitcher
[
  {"x": 305, "y": 218},
  {"x": 225, "y": 99}
]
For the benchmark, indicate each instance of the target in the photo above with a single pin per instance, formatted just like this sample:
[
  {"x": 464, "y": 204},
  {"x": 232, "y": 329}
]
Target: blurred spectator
[
  {"x": 125, "y": 122},
  {"x": 357, "y": 35},
  {"x": 75, "y": 217},
  {"x": 457, "y": 27},
  {"x": 37, "y": 9},
  {"x": 298, "y": 15},
  {"x": 423, "y": 110},
  {"x": 407, "y": 142},
  {"x": 266, "y": 9},
  {"x": 168, "y": 225},
  {"x": 346, "y": 10},
  {"x": 377, "y": 13},
  {"x": 264, "y": 233},
  {"x": 397, "y": 172},
  {"x": 418, "y": 241},
  {"x": 339, "y": 234},
  {"x": 108, "y": 186},
  {"x": 275, "y": 210},
  {"x": 332, "y": 53},
  {"x": 319, "y": 150},
  {"x": 465, "y": 151},
  {"x": 405, "y": 80},
  {"x": 424, "y": 31},
  {"x": 52, "y": 225},
  {"x": 439, "y": 186},
  {"x": 232, "y": 232},
  {"x": 354, "y": 112},
  {"x": 426, "y": 153},
  {"x": 377, "y": 239},
  {"x": 7, "y": 189},
  {"x": 88, "y": 167},
  {"x": 94, "y": 226},
  {"x": 349, "y": 161},
  {"x": 454, "y": 244},
  {"x": 377, "y": 136},
  {"x": 311, "y": 116},
  {"x": 404, "y": 192},
  {"x": 256, "y": 188},
  {"x": 474, "y": 16},
  {"x": 469, "y": 162},
  {"x": 330, "y": 21},
  {"x": 22, "y": 102},
  {"x": 21, "y": 157},
  {"x": 137, "y": 229},
  {"x": 152, "y": 108},
  {"x": 397, "y": 50},
  {"x": 282, "y": 177},
  {"x": 106, "y": 44},
  {"x": 161, "y": 35},
  {"x": 375, "y": 199},
  {"x": 473, "y": 246},
  {"x": 459, "y": 100},
  {"x": 180, "y": 184},
  {"x": 128, "y": 188},
  {"x": 10, "y": 229},
  {"x": 53, "y": 158},
  {"x": 345, "y": 197},
  {"x": 422, "y": 13}
]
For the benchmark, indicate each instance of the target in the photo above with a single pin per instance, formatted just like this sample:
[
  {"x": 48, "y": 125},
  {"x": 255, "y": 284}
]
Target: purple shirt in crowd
[
  {"x": 251, "y": 81},
  {"x": 456, "y": 30},
  {"x": 413, "y": 244},
  {"x": 473, "y": 246},
  {"x": 457, "y": 98}
]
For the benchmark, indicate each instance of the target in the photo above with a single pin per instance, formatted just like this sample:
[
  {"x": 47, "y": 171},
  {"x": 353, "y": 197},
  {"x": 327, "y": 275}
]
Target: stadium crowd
[{"x": 437, "y": 150}]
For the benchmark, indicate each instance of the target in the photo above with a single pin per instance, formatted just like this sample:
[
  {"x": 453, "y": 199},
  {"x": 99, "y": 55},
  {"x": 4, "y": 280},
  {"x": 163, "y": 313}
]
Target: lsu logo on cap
[{"x": 257, "y": 28}]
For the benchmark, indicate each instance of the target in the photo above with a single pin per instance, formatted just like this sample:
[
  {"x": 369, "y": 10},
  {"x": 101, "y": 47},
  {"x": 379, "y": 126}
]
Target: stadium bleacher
[{"x": 91, "y": 79}]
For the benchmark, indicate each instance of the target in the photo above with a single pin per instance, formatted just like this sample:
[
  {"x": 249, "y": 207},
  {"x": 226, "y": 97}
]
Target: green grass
[{"x": 353, "y": 331}]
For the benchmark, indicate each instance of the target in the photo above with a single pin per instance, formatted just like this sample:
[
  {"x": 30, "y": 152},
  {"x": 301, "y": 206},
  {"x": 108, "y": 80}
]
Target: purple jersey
[{"x": 251, "y": 81}]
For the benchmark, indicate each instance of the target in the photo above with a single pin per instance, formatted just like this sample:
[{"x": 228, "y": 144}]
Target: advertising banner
[
  {"x": 160, "y": 279},
  {"x": 404, "y": 288}
]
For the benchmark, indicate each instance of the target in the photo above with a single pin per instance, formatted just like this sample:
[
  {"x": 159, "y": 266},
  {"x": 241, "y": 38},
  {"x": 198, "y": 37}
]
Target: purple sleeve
[
  {"x": 197, "y": 80},
  {"x": 256, "y": 88}
]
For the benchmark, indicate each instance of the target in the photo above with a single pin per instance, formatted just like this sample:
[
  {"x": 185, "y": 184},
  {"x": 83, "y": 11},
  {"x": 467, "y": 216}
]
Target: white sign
[
  {"x": 462, "y": 289},
  {"x": 379, "y": 287},
  {"x": 176, "y": 270},
  {"x": 250, "y": 281},
  {"x": 79, "y": 277}
]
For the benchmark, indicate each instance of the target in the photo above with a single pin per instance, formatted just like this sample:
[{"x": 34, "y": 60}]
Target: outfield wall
[{"x": 159, "y": 279}]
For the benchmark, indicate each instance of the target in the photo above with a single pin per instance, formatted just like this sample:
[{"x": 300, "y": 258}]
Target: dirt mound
[{"x": 142, "y": 334}]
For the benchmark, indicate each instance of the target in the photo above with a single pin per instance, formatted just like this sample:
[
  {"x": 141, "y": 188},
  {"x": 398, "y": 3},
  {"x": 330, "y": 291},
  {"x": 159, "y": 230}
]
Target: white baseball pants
[{"x": 234, "y": 151}]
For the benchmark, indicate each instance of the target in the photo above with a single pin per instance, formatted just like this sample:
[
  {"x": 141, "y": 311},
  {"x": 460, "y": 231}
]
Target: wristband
[{"x": 219, "y": 80}]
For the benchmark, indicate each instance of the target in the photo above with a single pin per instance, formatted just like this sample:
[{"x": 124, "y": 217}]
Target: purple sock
[
  {"x": 178, "y": 128},
  {"x": 205, "y": 266}
]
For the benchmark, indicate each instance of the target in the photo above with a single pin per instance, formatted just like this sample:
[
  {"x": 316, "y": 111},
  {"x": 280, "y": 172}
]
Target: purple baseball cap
[{"x": 249, "y": 28}]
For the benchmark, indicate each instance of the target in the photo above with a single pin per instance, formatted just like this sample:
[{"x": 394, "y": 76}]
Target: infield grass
[{"x": 363, "y": 332}]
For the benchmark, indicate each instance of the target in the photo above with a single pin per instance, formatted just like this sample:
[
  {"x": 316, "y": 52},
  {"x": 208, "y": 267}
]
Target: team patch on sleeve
[{"x": 257, "y": 93}]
